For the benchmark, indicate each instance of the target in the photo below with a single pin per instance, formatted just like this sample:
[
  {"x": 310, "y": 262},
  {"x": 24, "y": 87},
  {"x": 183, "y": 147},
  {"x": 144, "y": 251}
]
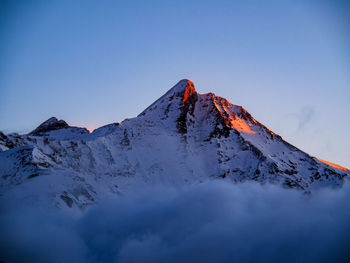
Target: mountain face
[{"x": 184, "y": 137}]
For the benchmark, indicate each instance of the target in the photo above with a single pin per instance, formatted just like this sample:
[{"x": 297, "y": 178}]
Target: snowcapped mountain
[{"x": 184, "y": 137}]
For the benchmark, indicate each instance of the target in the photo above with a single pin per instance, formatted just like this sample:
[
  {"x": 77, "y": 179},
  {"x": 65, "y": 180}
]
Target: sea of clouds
[{"x": 208, "y": 222}]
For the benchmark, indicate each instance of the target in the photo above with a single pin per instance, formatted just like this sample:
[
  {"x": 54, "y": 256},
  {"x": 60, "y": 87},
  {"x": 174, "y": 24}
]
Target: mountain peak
[
  {"x": 49, "y": 125},
  {"x": 184, "y": 89},
  {"x": 182, "y": 92},
  {"x": 183, "y": 138},
  {"x": 182, "y": 86}
]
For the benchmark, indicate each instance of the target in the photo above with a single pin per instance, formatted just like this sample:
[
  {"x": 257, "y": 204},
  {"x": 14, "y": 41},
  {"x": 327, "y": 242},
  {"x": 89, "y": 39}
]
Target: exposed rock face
[
  {"x": 189, "y": 99},
  {"x": 183, "y": 137}
]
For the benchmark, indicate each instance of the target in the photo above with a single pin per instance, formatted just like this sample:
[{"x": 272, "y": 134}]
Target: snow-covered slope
[{"x": 184, "y": 137}]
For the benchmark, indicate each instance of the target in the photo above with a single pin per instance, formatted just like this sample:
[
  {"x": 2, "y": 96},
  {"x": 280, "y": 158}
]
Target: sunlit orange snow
[
  {"x": 334, "y": 165},
  {"x": 241, "y": 125},
  {"x": 189, "y": 91}
]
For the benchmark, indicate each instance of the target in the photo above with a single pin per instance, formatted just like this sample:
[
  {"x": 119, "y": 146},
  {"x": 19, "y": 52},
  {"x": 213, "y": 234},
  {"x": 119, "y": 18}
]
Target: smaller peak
[
  {"x": 49, "y": 125},
  {"x": 53, "y": 120},
  {"x": 50, "y": 120}
]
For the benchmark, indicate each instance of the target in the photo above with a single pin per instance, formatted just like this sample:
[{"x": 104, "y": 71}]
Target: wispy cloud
[{"x": 306, "y": 114}]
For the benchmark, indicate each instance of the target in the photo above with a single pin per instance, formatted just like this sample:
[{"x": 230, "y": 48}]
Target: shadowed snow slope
[{"x": 182, "y": 138}]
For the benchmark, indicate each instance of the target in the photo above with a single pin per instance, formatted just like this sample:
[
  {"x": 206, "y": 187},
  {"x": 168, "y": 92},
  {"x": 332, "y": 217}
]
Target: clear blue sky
[{"x": 96, "y": 62}]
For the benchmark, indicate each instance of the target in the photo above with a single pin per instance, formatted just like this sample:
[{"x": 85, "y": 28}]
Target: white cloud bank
[{"x": 211, "y": 222}]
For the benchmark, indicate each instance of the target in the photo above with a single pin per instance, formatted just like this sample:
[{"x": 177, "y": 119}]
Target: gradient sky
[{"x": 96, "y": 62}]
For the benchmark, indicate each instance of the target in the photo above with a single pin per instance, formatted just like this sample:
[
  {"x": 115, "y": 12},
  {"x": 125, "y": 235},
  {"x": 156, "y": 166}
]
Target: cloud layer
[{"x": 211, "y": 222}]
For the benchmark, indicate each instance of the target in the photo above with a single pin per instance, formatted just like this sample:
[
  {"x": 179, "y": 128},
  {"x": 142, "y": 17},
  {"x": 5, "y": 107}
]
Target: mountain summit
[{"x": 183, "y": 137}]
